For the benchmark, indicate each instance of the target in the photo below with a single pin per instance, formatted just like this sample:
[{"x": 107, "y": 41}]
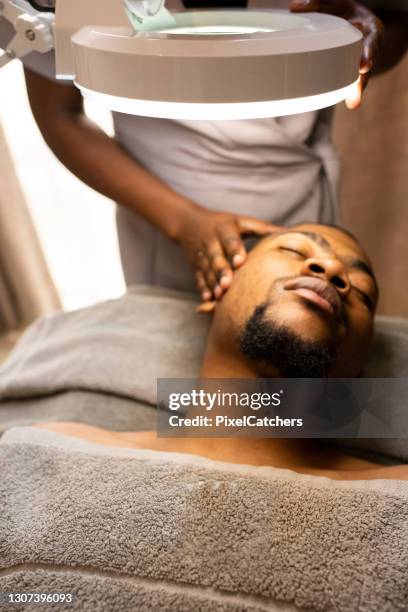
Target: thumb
[
  {"x": 252, "y": 226},
  {"x": 356, "y": 93}
]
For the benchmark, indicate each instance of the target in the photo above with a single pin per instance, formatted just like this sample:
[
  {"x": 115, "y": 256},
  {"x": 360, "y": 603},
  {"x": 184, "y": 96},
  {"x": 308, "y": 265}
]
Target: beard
[{"x": 279, "y": 347}]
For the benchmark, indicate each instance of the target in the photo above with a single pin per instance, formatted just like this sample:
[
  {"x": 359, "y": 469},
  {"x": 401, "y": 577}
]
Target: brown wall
[{"x": 373, "y": 142}]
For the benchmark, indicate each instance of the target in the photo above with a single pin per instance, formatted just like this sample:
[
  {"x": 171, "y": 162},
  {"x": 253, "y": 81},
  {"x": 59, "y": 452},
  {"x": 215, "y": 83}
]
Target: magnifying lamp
[{"x": 141, "y": 59}]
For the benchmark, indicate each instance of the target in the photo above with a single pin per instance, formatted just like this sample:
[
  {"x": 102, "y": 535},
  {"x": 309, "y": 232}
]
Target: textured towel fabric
[
  {"x": 144, "y": 530},
  {"x": 99, "y": 365},
  {"x": 118, "y": 347},
  {"x": 98, "y": 409}
]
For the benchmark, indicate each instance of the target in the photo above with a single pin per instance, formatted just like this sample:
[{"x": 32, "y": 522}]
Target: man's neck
[
  {"x": 225, "y": 362},
  {"x": 222, "y": 364}
]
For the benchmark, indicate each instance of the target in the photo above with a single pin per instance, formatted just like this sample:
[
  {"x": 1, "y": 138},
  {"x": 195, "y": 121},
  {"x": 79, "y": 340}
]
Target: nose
[{"x": 330, "y": 269}]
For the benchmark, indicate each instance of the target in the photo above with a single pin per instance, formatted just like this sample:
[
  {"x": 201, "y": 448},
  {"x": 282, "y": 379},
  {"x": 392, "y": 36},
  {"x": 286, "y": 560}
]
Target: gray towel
[
  {"x": 98, "y": 409},
  {"x": 118, "y": 347},
  {"x": 129, "y": 530}
]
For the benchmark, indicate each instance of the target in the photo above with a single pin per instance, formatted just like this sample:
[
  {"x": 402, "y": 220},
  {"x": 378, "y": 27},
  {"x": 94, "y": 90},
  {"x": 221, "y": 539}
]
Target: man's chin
[{"x": 311, "y": 332}]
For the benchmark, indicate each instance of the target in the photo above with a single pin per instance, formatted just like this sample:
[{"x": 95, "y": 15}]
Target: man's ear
[{"x": 206, "y": 307}]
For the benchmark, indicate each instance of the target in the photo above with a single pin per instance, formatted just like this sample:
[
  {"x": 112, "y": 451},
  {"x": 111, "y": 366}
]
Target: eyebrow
[
  {"x": 313, "y": 236},
  {"x": 353, "y": 262}
]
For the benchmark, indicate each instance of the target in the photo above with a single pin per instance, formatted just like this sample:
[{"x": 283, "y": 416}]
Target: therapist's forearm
[{"x": 98, "y": 160}]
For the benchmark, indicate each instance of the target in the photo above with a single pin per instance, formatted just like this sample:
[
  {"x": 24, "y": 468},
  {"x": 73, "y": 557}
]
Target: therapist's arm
[
  {"x": 212, "y": 240},
  {"x": 97, "y": 159}
]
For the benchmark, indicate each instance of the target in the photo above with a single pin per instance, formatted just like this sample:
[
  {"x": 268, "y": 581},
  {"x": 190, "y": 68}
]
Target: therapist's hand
[
  {"x": 214, "y": 245},
  {"x": 363, "y": 19}
]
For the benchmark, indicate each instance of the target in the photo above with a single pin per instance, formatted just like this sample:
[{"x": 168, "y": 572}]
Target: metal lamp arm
[
  {"x": 33, "y": 30},
  {"x": 44, "y": 6}
]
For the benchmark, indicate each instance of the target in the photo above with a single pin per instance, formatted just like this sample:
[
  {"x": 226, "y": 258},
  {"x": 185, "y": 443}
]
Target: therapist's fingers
[
  {"x": 232, "y": 243},
  {"x": 372, "y": 30},
  {"x": 215, "y": 246},
  {"x": 204, "y": 265},
  {"x": 203, "y": 288},
  {"x": 220, "y": 266}
]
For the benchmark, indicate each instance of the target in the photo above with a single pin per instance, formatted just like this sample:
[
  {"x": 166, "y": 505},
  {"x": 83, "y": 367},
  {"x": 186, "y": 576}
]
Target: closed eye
[
  {"x": 364, "y": 298},
  {"x": 282, "y": 248}
]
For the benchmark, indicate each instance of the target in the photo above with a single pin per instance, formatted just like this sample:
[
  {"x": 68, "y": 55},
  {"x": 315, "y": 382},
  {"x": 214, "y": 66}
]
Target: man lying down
[
  {"x": 302, "y": 306},
  {"x": 130, "y": 521}
]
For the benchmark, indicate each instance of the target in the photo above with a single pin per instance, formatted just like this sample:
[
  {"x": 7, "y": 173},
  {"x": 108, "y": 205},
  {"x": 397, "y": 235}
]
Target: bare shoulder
[
  {"x": 97, "y": 435},
  {"x": 392, "y": 472},
  {"x": 68, "y": 427},
  {"x": 82, "y": 430}
]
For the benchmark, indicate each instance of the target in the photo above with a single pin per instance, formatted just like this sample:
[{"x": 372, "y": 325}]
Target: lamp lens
[{"x": 211, "y": 30}]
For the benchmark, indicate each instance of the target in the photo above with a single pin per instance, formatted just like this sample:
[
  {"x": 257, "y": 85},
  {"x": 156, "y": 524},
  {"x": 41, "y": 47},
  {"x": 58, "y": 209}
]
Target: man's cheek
[
  {"x": 248, "y": 280},
  {"x": 358, "y": 339},
  {"x": 361, "y": 325}
]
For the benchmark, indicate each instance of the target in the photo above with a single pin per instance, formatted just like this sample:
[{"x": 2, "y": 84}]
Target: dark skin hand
[
  {"x": 214, "y": 244},
  {"x": 363, "y": 19}
]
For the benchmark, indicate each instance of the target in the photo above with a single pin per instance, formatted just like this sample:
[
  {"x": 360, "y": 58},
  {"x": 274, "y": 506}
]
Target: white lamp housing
[
  {"x": 222, "y": 64},
  {"x": 233, "y": 64}
]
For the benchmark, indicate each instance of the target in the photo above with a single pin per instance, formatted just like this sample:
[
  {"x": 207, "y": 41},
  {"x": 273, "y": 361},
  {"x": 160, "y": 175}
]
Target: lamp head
[
  {"x": 219, "y": 64},
  {"x": 210, "y": 65}
]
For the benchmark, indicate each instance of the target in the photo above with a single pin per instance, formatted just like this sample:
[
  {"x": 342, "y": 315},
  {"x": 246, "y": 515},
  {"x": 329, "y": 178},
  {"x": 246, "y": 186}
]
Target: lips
[{"x": 318, "y": 292}]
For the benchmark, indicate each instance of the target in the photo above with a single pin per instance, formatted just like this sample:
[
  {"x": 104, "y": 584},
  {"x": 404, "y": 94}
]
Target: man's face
[{"x": 303, "y": 304}]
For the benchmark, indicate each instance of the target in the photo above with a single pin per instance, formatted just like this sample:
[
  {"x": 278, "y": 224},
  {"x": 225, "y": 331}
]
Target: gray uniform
[{"x": 283, "y": 170}]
